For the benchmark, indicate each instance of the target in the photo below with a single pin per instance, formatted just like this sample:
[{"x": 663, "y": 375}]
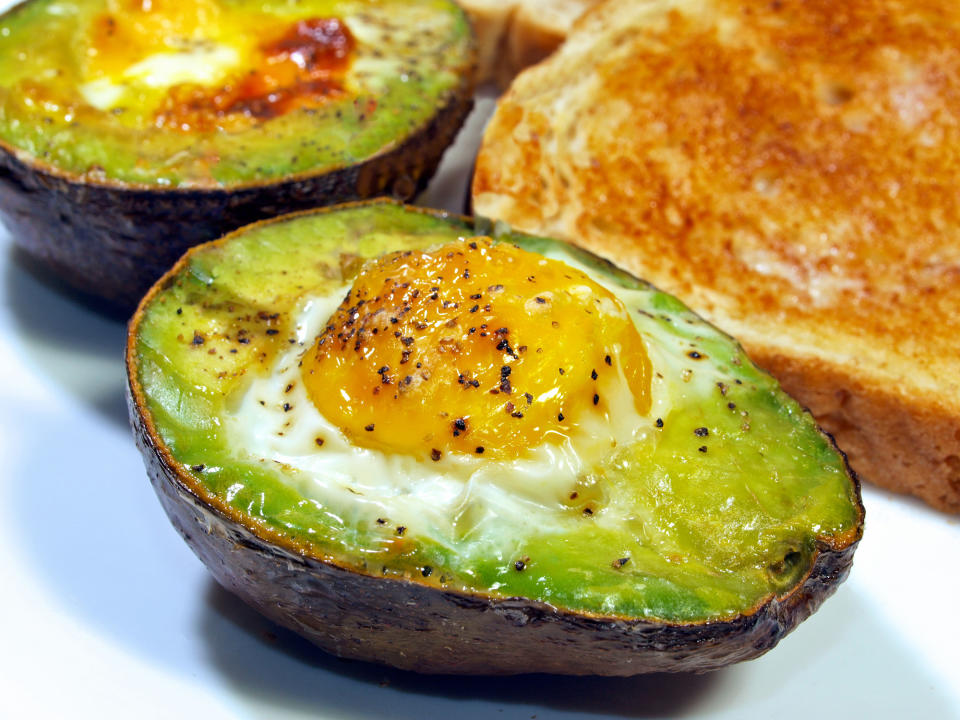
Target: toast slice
[
  {"x": 514, "y": 34},
  {"x": 790, "y": 171}
]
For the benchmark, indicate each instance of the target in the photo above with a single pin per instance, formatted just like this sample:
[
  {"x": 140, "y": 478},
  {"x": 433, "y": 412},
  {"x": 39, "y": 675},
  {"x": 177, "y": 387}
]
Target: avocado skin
[
  {"x": 427, "y": 630},
  {"x": 113, "y": 241},
  {"x": 420, "y": 628}
]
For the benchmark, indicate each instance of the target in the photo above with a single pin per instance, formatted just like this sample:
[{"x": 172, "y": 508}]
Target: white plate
[{"x": 105, "y": 612}]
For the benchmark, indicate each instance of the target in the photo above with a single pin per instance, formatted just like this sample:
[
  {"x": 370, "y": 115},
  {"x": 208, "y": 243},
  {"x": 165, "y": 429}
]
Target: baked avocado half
[
  {"x": 428, "y": 441},
  {"x": 131, "y": 131}
]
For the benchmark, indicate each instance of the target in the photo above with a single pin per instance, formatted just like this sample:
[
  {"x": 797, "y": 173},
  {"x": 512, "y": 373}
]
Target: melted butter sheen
[{"x": 476, "y": 348}]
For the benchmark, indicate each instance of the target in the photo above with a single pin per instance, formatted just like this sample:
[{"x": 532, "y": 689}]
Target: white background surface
[{"x": 105, "y": 612}]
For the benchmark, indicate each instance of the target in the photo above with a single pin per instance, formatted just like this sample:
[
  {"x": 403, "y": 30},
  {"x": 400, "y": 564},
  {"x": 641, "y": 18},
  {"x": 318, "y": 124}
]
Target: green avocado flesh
[
  {"x": 719, "y": 504},
  {"x": 83, "y": 85}
]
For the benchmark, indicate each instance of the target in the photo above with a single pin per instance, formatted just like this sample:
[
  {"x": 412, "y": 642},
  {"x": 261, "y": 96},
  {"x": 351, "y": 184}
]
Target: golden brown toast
[
  {"x": 513, "y": 34},
  {"x": 791, "y": 170}
]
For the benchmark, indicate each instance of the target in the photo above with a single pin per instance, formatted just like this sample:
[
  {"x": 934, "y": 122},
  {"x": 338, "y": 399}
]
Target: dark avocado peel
[
  {"x": 111, "y": 168},
  {"x": 667, "y": 555}
]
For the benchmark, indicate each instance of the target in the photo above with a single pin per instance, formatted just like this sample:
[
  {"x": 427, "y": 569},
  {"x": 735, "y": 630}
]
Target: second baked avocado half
[
  {"x": 428, "y": 441},
  {"x": 131, "y": 131}
]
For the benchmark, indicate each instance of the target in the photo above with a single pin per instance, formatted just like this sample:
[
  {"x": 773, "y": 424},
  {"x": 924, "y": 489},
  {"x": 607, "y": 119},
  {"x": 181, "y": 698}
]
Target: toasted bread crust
[
  {"x": 516, "y": 34},
  {"x": 790, "y": 171},
  {"x": 909, "y": 449}
]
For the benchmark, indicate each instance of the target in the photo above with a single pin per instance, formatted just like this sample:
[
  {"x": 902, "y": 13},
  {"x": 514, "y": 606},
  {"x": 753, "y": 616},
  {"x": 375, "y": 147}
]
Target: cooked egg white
[
  {"x": 137, "y": 55},
  {"x": 205, "y": 64},
  {"x": 461, "y": 497}
]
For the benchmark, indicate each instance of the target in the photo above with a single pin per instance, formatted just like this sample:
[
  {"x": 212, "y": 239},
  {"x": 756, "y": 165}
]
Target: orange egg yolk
[
  {"x": 286, "y": 66},
  {"x": 475, "y": 347}
]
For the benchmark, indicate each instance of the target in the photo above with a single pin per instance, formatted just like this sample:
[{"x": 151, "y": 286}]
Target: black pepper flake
[
  {"x": 620, "y": 562},
  {"x": 519, "y": 565},
  {"x": 702, "y": 448},
  {"x": 659, "y": 422},
  {"x": 381, "y": 521},
  {"x": 608, "y": 360},
  {"x": 593, "y": 374},
  {"x": 540, "y": 300},
  {"x": 401, "y": 529},
  {"x": 694, "y": 355},
  {"x": 528, "y": 397},
  {"x": 560, "y": 417},
  {"x": 408, "y": 341},
  {"x": 288, "y": 388},
  {"x": 701, "y": 432},
  {"x": 459, "y": 426},
  {"x": 505, "y": 347},
  {"x": 179, "y": 311},
  {"x": 427, "y": 571},
  {"x": 467, "y": 382},
  {"x": 473, "y": 246},
  {"x": 272, "y": 331},
  {"x": 198, "y": 339},
  {"x": 474, "y": 308},
  {"x": 588, "y": 511},
  {"x": 197, "y": 468},
  {"x": 435, "y": 455},
  {"x": 287, "y": 407},
  {"x": 731, "y": 405},
  {"x": 596, "y": 399},
  {"x": 318, "y": 441},
  {"x": 479, "y": 450},
  {"x": 562, "y": 371},
  {"x": 505, "y": 379},
  {"x": 476, "y": 296},
  {"x": 369, "y": 428},
  {"x": 243, "y": 341},
  {"x": 516, "y": 414}
]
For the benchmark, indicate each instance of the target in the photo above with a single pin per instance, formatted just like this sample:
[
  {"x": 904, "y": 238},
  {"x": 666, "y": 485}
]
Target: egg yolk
[
  {"x": 203, "y": 69},
  {"x": 475, "y": 347}
]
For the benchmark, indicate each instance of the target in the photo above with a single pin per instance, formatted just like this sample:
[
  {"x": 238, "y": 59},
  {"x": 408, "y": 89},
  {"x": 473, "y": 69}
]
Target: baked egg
[
  {"x": 420, "y": 399},
  {"x": 471, "y": 380}
]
